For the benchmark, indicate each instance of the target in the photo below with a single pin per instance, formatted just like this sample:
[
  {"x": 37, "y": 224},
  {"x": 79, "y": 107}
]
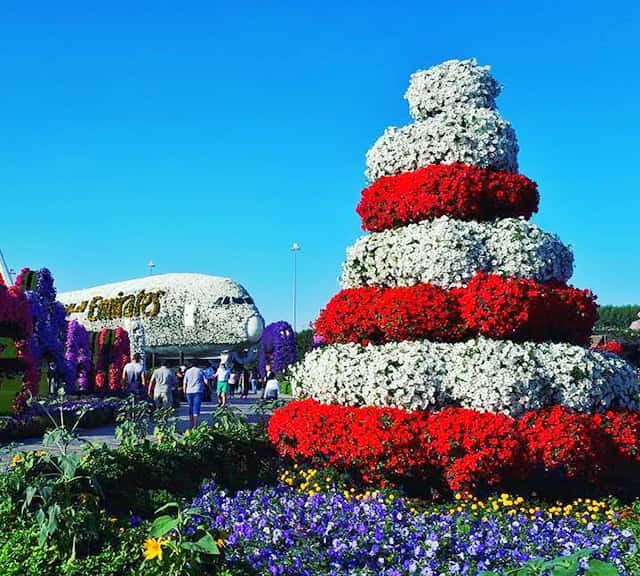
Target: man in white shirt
[
  {"x": 133, "y": 377},
  {"x": 193, "y": 388}
]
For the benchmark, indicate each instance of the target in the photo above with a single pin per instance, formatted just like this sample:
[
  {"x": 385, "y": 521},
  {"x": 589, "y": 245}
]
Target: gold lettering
[
  {"x": 155, "y": 301},
  {"x": 122, "y": 306},
  {"x": 129, "y": 306},
  {"x": 116, "y": 307},
  {"x": 139, "y": 300},
  {"x": 95, "y": 301}
]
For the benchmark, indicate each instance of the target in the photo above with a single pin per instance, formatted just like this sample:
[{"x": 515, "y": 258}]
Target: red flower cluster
[
  {"x": 111, "y": 353},
  {"x": 457, "y": 190},
  {"x": 523, "y": 309},
  {"x": 463, "y": 448},
  {"x": 15, "y": 313},
  {"x": 492, "y": 306},
  {"x": 611, "y": 346}
]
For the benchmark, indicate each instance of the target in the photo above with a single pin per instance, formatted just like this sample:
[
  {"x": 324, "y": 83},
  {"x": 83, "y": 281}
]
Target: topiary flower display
[
  {"x": 455, "y": 312},
  {"x": 277, "y": 347}
]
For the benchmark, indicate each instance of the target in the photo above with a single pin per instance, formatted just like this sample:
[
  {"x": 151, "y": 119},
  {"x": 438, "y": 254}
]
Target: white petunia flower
[
  {"x": 484, "y": 374},
  {"x": 449, "y": 252}
]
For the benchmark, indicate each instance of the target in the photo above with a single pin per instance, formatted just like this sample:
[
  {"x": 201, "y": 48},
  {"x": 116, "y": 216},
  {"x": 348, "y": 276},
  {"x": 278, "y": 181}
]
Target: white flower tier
[
  {"x": 489, "y": 375},
  {"x": 452, "y": 84},
  {"x": 448, "y": 253},
  {"x": 477, "y": 136}
]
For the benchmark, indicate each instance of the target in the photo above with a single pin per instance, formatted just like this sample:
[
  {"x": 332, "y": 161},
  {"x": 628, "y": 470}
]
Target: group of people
[{"x": 165, "y": 384}]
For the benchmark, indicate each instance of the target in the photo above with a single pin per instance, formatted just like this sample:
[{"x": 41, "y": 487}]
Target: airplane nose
[{"x": 254, "y": 328}]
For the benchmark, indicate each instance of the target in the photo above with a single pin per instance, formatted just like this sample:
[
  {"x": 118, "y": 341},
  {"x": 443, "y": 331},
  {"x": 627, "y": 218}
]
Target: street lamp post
[
  {"x": 295, "y": 248},
  {"x": 5, "y": 271}
]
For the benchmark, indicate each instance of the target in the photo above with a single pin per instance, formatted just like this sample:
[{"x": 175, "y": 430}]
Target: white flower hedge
[
  {"x": 451, "y": 84},
  {"x": 477, "y": 136},
  {"x": 449, "y": 252},
  {"x": 488, "y": 375}
]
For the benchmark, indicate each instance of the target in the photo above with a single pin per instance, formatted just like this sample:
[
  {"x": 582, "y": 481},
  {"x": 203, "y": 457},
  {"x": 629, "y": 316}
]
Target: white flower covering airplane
[{"x": 195, "y": 314}]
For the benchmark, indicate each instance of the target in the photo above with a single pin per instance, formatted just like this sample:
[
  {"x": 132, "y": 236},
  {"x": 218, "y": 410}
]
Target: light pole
[
  {"x": 151, "y": 267},
  {"x": 5, "y": 271},
  {"x": 295, "y": 248}
]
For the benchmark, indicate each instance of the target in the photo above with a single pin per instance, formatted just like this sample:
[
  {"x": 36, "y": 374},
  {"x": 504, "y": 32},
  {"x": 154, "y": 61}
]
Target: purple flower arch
[{"x": 277, "y": 347}]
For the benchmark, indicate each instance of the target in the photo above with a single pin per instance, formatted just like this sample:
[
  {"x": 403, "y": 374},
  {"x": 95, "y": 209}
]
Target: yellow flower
[
  {"x": 220, "y": 542},
  {"x": 41, "y": 453},
  {"x": 153, "y": 548},
  {"x": 17, "y": 458},
  {"x": 113, "y": 519}
]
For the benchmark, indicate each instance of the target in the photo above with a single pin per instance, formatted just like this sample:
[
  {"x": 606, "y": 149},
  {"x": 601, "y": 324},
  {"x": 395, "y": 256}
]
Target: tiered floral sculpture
[{"x": 456, "y": 348}]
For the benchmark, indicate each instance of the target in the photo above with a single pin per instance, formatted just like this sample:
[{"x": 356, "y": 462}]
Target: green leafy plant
[
  {"x": 164, "y": 424},
  {"x": 132, "y": 421},
  {"x": 189, "y": 547},
  {"x": 561, "y": 566},
  {"x": 47, "y": 483}
]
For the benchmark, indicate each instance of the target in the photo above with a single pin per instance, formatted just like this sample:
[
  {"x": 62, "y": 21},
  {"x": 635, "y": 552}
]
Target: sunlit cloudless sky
[{"x": 209, "y": 136}]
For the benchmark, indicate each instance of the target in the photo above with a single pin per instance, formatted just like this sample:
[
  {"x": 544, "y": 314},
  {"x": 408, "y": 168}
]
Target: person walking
[
  {"x": 210, "y": 380},
  {"x": 161, "y": 386},
  {"x": 244, "y": 383},
  {"x": 133, "y": 376},
  {"x": 254, "y": 382},
  {"x": 271, "y": 384},
  {"x": 233, "y": 381},
  {"x": 193, "y": 389},
  {"x": 222, "y": 378}
]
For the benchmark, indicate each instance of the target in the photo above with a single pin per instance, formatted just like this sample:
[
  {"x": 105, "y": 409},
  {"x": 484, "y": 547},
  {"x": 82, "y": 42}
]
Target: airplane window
[
  {"x": 226, "y": 300},
  {"x": 248, "y": 300},
  {"x": 219, "y": 301},
  {"x": 237, "y": 300}
]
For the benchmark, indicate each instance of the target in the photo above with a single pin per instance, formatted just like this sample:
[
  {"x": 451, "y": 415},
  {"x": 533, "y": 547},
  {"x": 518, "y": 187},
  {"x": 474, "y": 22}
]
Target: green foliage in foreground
[{"x": 562, "y": 566}]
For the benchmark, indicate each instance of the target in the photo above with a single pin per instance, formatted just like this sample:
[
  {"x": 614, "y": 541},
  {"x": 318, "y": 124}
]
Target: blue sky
[{"x": 209, "y": 136}]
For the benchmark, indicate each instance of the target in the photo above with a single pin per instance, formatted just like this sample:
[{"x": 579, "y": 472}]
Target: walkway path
[{"x": 105, "y": 434}]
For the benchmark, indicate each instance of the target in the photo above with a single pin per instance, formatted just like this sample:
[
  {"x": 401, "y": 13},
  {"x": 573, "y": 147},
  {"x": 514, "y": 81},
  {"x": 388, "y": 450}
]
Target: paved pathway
[{"x": 105, "y": 434}]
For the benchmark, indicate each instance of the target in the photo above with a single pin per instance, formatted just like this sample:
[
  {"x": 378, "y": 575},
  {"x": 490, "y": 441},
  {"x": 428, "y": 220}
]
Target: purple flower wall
[
  {"x": 277, "y": 347},
  {"x": 49, "y": 321},
  {"x": 78, "y": 357}
]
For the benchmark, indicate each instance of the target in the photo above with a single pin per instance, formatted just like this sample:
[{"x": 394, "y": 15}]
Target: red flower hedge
[
  {"x": 463, "y": 448},
  {"x": 457, "y": 190},
  {"x": 492, "y": 306},
  {"x": 611, "y": 346}
]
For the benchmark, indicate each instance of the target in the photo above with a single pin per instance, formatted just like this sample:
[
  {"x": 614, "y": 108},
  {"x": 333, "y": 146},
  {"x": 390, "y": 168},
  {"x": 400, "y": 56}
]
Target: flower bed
[
  {"x": 457, "y": 447},
  {"x": 280, "y": 531},
  {"x": 491, "y": 306},
  {"x": 34, "y": 422},
  {"x": 457, "y": 190},
  {"x": 448, "y": 253}
]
